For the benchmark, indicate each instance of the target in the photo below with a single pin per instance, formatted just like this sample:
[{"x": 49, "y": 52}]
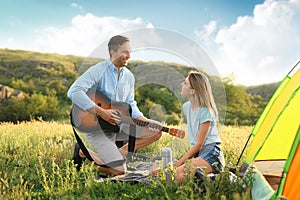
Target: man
[{"x": 115, "y": 81}]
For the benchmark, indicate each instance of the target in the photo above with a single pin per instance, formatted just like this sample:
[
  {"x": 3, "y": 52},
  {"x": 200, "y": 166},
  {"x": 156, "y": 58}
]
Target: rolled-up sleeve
[
  {"x": 136, "y": 113},
  {"x": 77, "y": 91}
]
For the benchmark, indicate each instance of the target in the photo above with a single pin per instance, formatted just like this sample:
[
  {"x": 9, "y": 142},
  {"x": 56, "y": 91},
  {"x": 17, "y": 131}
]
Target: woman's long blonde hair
[{"x": 203, "y": 92}]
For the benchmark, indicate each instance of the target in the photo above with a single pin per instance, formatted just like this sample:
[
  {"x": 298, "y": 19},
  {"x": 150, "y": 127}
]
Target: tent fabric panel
[
  {"x": 269, "y": 105},
  {"x": 259, "y": 136},
  {"x": 280, "y": 135},
  {"x": 266, "y": 125},
  {"x": 291, "y": 188}
]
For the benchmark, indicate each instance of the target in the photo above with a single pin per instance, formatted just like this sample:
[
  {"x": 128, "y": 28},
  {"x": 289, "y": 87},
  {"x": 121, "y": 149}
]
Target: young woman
[{"x": 201, "y": 114}]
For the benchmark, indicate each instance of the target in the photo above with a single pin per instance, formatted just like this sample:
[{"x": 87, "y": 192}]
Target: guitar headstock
[{"x": 177, "y": 132}]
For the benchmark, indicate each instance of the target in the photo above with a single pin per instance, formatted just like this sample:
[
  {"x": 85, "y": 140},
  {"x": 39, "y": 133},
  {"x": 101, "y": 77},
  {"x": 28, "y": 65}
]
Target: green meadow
[{"x": 36, "y": 163}]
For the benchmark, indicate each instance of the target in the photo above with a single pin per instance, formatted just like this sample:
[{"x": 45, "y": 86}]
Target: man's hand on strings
[{"x": 111, "y": 116}]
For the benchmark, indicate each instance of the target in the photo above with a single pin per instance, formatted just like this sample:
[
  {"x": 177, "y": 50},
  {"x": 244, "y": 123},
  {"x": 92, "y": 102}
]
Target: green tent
[{"x": 275, "y": 137}]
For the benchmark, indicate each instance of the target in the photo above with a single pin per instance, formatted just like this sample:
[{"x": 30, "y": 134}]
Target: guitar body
[{"x": 88, "y": 121}]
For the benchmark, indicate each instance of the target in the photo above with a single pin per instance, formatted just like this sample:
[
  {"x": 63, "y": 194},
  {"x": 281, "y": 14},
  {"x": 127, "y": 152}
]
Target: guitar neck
[{"x": 129, "y": 120}]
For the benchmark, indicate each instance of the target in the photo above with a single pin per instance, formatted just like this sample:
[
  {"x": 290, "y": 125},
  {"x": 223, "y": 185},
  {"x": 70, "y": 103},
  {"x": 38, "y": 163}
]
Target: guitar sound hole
[{"x": 97, "y": 117}]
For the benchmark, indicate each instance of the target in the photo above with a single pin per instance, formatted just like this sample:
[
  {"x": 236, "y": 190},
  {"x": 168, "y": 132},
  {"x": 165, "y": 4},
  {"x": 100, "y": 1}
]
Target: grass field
[{"x": 35, "y": 164}]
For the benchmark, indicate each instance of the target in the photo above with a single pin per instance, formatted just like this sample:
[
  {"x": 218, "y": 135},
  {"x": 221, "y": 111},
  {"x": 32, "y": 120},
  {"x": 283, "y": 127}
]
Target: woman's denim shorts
[{"x": 213, "y": 154}]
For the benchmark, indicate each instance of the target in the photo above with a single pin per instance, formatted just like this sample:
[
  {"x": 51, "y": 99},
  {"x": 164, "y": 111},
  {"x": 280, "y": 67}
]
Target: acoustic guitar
[{"x": 90, "y": 122}]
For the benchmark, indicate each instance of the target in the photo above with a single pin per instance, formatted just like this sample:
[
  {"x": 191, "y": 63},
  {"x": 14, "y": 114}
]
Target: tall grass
[{"x": 35, "y": 164}]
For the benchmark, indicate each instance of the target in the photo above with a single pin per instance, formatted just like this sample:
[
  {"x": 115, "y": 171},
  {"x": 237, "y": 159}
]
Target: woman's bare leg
[{"x": 183, "y": 171}]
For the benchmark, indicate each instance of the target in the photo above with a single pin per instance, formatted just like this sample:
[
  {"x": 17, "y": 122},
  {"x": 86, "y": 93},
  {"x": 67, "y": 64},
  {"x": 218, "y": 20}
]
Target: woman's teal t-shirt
[{"x": 195, "y": 118}]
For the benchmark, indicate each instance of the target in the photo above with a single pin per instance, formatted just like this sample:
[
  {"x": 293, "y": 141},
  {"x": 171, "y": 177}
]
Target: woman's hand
[
  {"x": 155, "y": 169},
  {"x": 176, "y": 164}
]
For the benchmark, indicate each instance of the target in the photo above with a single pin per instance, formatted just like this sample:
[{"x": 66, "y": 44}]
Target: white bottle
[{"x": 166, "y": 154}]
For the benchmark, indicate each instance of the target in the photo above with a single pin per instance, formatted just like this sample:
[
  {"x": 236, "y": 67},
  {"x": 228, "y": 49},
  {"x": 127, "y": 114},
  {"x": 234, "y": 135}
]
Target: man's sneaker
[{"x": 76, "y": 158}]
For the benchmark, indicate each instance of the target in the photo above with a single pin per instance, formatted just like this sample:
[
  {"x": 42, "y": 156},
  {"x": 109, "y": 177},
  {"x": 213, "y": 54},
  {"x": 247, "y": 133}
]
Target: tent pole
[
  {"x": 243, "y": 150},
  {"x": 294, "y": 67}
]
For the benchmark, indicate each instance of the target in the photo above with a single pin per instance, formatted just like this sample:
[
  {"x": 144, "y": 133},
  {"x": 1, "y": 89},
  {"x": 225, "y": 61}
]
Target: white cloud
[
  {"x": 258, "y": 49},
  {"x": 76, "y": 5},
  {"x": 84, "y": 34},
  {"x": 205, "y": 34}
]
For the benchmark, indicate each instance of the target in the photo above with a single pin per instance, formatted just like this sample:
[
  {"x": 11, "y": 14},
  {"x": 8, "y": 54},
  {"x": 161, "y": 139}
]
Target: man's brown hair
[{"x": 116, "y": 41}]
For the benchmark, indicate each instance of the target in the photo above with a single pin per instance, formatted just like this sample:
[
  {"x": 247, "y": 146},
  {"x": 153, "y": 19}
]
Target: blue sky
[{"x": 255, "y": 40}]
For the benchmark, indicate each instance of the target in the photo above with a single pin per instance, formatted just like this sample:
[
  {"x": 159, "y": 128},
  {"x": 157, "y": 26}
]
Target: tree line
[
  {"x": 156, "y": 102},
  {"x": 45, "y": 80}
]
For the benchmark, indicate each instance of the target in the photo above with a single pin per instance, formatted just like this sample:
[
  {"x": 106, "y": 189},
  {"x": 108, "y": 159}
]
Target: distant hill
[
  {"x": 40, "y": 73},
  {"x": 264, "y": 90},
  {"x": 26, "y": 65},
  {"x": 41, "y": 68}
]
